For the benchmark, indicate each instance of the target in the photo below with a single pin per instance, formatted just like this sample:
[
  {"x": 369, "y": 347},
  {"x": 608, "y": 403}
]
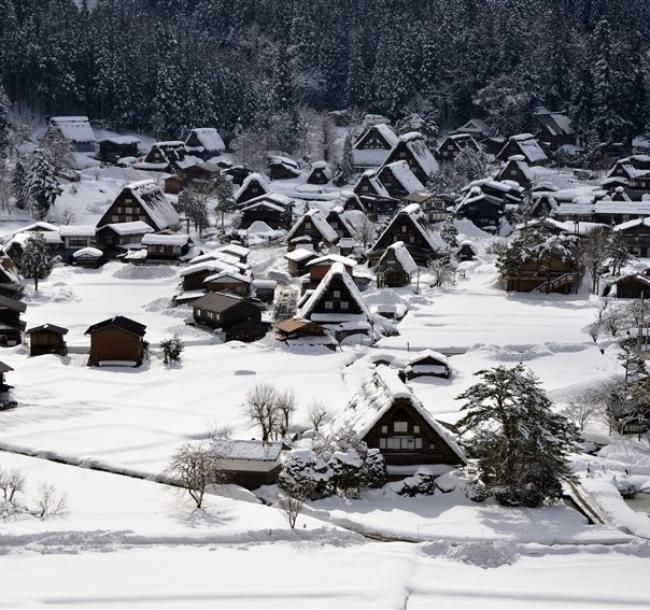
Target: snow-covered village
[{"x": 324, "y": 304}]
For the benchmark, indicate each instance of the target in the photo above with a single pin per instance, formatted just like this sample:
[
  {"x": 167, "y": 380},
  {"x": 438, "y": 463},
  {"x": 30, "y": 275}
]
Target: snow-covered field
[{"x": 239, "y": 552}]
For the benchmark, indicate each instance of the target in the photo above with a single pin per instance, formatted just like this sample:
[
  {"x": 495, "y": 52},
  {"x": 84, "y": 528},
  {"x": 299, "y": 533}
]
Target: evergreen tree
[
  {"x": 522, "y": 447},
  {"x": 618, "y": 251},
  {"x": 36, "y": 261},
  {"x": 4, "y": 123},
  {"x": 42, "y": 186}
]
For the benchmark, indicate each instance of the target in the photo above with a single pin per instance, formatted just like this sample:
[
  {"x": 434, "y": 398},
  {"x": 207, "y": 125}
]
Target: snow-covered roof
[
  {"x": 150, "y": 196},
  {"x": 318, "y": 220},
  {"x": 520, "y": 163},
  {"x": 376, "y": 397},
  {"x": 50, "y": 237},
  {"x": 280, "y": 160},
  {"x": 299, "y": 254},
  {"x": 77, "y": 231},
  {"x": 478, "y": 126},
  {"x": 384, "y": 131},
  {"x": 39, "y": 225},
  {"x": 337, "y": 270},
  {"x": 116, "y": 139},
  {"x": 636, "y": 222},
  {"x": 276, "y": 199},
  {"x": 529, "y": 147},
  {"x": 227, "y": 277},
  {"x": 426, "y": 354},
  {"x": 209, "y": 138},
  {"x": 417, "y": 145},
  {"x": 333, "y": 258},
  {"x": 158, "y": 239},
  {"x": 234, "y": 249},
  {"x": 403, "y": 174},
  {"x": 250, "y": 178},
  {"x": 135, "y": 227},
  {"x": 247, "y": 450},
  {"x": 87, "y": 253},
  {"x": 371, "y": 176},
  {"x": 415, "y": 213},
  {"x": 622, "y": 207},
  {"x": 74, "y": 128},
  {"x": 402, "y": 255}
]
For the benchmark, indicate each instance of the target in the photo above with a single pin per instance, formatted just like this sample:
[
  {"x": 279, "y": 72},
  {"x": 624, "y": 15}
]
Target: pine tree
[
  {"x": 522, "y": 446},
  {"x": 449, "y": 233},
  {"x": 42, "y": 185},
  {"x": 4, "y": 123},
  {"x": 618, "y": 251},
  {"x": 172, "y": 349},
  {"x": 19, "y": 181},
  {"x": 36, "y": 261}
]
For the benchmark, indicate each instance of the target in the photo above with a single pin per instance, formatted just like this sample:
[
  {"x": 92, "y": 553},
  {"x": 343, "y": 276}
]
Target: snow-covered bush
[
  {"x": 375, "y": 470},
  {"x": 347, "y": 472},
  {"x": 476, "y": 491},
  {"x": 485, "y": 554},
  {"x": 446, "y": 483},
  {"x": 305, "y": 475},
  {"x": 172, "y": 349},
  {"x": 422, "y": 483},
  {"x": 625, "y": 487}
]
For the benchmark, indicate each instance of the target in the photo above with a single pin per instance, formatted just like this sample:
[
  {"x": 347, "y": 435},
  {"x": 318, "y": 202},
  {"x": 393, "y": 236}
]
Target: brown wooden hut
[
  {"x": 118, "y": 341},
  {"x": 47, "y": 339}
]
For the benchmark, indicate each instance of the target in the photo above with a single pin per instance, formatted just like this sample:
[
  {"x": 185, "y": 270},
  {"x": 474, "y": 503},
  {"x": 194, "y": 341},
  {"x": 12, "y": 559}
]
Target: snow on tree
[
  {"x": 414, "y": 122},
  {"x": 594, "y": 250},
  {"x": 5, "y": 106},
  {"x": 306, "y": 476},
  {"x": 422, "y": 483},
  {"x": 449, "y": 233},
  {"x": 375, "y": 469},
  {"x": 42, "y": 185},
  {"x": 618, "y": 251},
  {"x": 172, "y": 349},
  {"x": 347, "y": 472},
  {"x": 57, "y": 149},
  {"x": 521, "y": 445},
  {"x": 36, "y": 261}
]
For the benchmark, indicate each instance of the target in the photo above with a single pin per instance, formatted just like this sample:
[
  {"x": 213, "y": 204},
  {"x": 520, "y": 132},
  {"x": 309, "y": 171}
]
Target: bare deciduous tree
[
  {"x": 11, "y": 483},
  {"x": 262, "y": 409},
  {"x": 195, "y": 468},
  {"x": 291, "y": 507},
  {"x": 286, "y": 406},
  {"x": 49, "y": 502},
  {"x": 585, "y": 407},
  {"x": 317, "y": 416}
]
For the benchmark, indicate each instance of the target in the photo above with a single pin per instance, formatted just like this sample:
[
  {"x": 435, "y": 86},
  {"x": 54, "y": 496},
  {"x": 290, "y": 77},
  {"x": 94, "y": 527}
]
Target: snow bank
[
  {"x": 144, "y": 272},
  {"x": 480, "y": 554}
]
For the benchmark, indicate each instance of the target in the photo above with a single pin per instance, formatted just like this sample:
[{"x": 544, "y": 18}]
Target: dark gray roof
[
  {"x": 4, "y": 368},
  {"x": 13, "y": 304},
  {"x": 126, "y": 324},
  {"x": 59, "y": 330},
  {"x": 221, "y": 301}
]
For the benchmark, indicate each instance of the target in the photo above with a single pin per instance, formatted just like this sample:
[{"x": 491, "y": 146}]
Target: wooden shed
[
  {"x": 47, "y": 339},
  {"x": 118, "y": 341}
]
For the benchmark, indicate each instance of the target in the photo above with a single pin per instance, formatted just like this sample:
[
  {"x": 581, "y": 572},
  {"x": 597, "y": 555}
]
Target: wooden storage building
[
  {"x": 240, "y": 318},
  {"x": 117, "y": 341},
  {"x": 47, "y": 339}
]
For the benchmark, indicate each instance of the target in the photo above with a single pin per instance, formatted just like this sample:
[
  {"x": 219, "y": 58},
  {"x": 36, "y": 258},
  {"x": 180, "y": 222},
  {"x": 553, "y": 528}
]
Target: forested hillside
[{"x": 164, "y": 65}]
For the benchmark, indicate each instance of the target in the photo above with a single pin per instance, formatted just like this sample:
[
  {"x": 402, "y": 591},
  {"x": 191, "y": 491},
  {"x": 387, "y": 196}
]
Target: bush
[
  {"x": 375, "y": 471},
  {"x": 347, "y": 472},
  {"x": 476, "y": 491},
  {"x": 305, "y": 475},
  {"x": 422, "y": 483},
  {"x": 172, "y": 349}
]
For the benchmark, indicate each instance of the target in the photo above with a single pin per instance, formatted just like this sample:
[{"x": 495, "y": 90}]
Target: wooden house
[
  {"x": 517, "y": 170},
  {"x": 230, "y": 282},
  {"x": 264, "y": 290},
  {"x": 320, "y": 173},
  {"x": 395, "y": 267},
  {"x": 237, "y": 173},
  {"x": 544, "y": 204},
  {"x": 11, "y": 326},
  {"x": 76, "y": 130},
  {"x": 283, "y": 168},
  {"x": 273, "y": 209},
  {"x": 410, "y": 227},
  {"x": 241, "y": 253},
  {"x": 412, "y": 148},
  {"x": 337, "y": 304},
  {"x": 163, "y": 156},
  {"x": 314, "y": 225},
  {"x": 200, "y": 176},
  {"x": 477, "y": 128},
  {"x": 117, "y": 341},
  {"x": 427, "y": 364},
  {"x": 632, "y": 171},
  {"x": 485, "y": 202},
  {"x": 398, "y": 179},
  {"x": 15, "y": 246},
  {"x": 47, "y": 339},
  {"x": 240, "y": 318},
  {"x": 296, "y": 331},
  {"x": 204, "y": 142},
  {"x": 249, "y": 463},
  {"x": 117, "y": 147},
  {"x": 553, "y": 273},
  {"x": 386, "y": 415},
  {"x": 630, "y": 286},
  {"x": 350, "y": 201},
  {"x": 90, "y": 258},
  {"x": 455, "y": 143},
  {"x": 297, "y": 261},
  {"x": 319, "y": 267},
  {"x": 636, "y": 234},
  {"x": 165, "y": 246},
  {"x": 341, "y": 222},
  {"x": 603, "y": 211},
  {"x": 526, "y": 146},
  {"x": 254, "y": 185},
  {"x": 372, "y": 147},
  {"x": 369, "y": 185},
  {"x": 552, "y": 129},
  {"x": 117, "y": 238},
  {"x": 142, "y": 201},
  {"x": 202, "y": 267},
  {"x": 11, "y": 282}
]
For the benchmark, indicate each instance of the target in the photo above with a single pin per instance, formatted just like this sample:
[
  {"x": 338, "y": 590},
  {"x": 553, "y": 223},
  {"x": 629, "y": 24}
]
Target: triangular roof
[
  {"x": 319, "y": 221},
  {"x": 404, "y": 176},
  {"x": 254, "y": 177},
  {"x": 121, "y": 322},
  {"x": 336, "y": 271},
  {"x": 402, "y": 256},
  {"x": 209, "y": 139},
  {"x": 59, "y": 330},
  {"x": 384, "y": 132},
  {"x": 378, "y": 395},
  {"x": 76, "y": 129}
]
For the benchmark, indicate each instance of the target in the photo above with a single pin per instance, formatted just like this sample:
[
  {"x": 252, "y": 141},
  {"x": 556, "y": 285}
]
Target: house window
[
  {"x": 384, "y": 429},
  {"x": 411, "y": 239},
  {"x": 404, "y": 229},
  {"x": 329, "y": 305},
  {"x": 337, "y": 294},
  {"x": 416, "y": 429},
  {"x": 400, "y": 426},
  {"x": 345, "y": 305}
]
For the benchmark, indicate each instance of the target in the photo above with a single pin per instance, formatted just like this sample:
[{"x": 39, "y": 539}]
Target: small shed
[
  {"x": 47, "y": 339},
  {"x": 427, "y": 364},
  {"x": 248, "y": 463},
  {"x": 297, "y": 261},
  {"x": 91, "y": 258},
  {"x": 115, "y": 147},
  {"x": 320, "y": 173},
  {"x": 239, "y": 317},
  {"x": 395, "y": 267},
  {"x": 117, "y": 341}
]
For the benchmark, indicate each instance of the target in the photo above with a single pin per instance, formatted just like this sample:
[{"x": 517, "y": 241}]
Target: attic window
[
  {"x": 400, "y": 426},
  {"x": 345, "y": 305},
  {"x": 384, "y": 429},
  {"x": 416, "y": 429},
  {"x": 337, "y": 294},
  {"x": 329, "y": 305},
  {"x": 404, "y": 229}
]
